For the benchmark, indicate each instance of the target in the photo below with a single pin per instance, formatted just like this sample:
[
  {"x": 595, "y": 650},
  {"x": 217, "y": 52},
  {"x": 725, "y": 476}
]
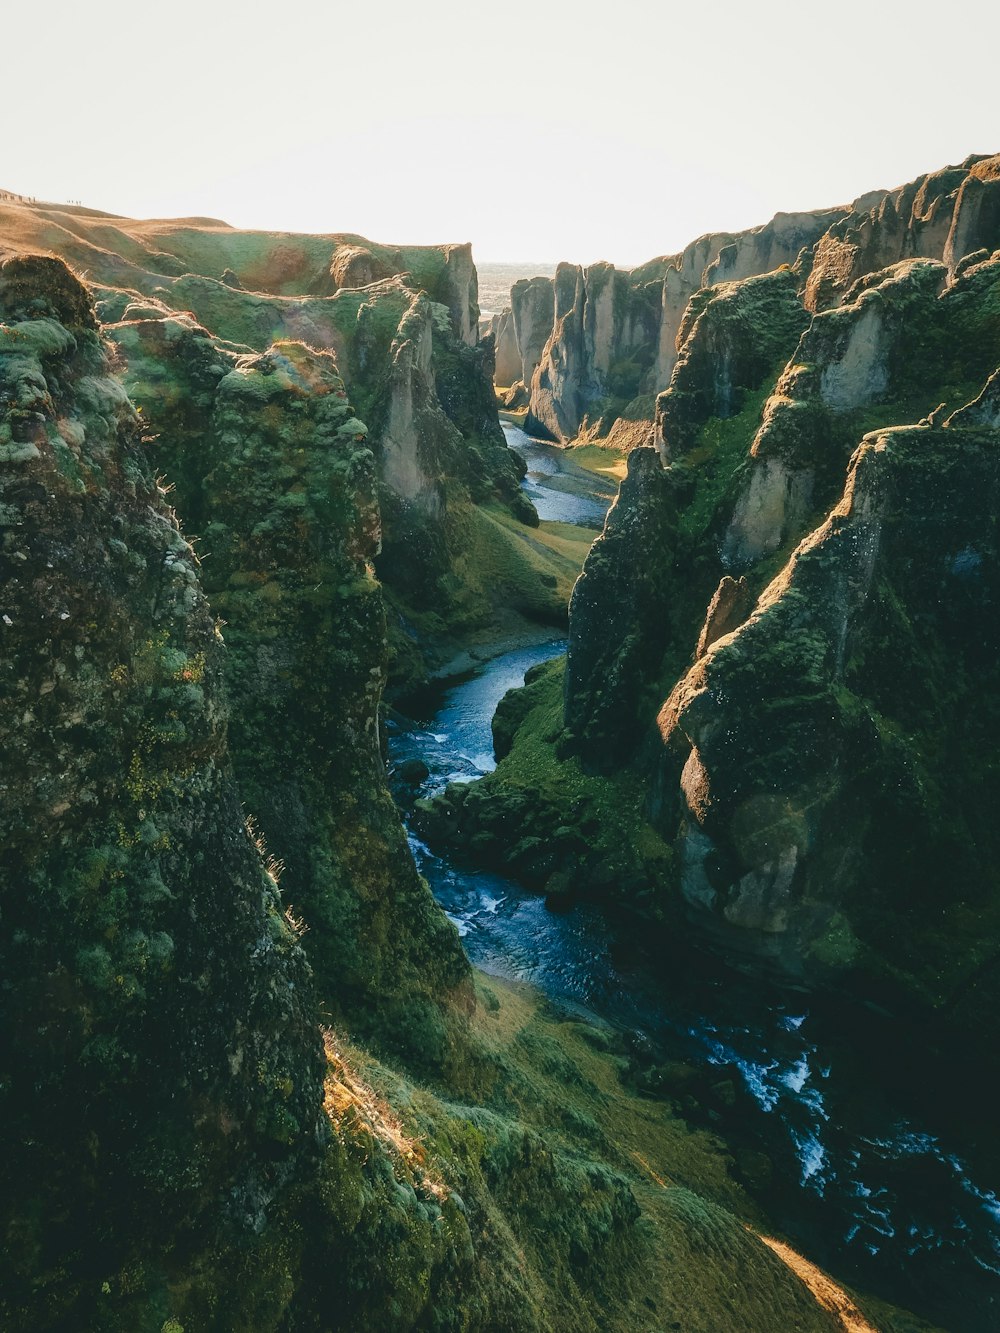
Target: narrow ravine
[{"x": 869, "y": 1171}]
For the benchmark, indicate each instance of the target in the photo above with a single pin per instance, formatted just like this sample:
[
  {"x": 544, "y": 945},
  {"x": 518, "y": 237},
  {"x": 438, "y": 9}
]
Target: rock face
[
  {"x": 152, "y": 979},
  {"x": 275, "y": 472},
  {"x": 736, "y": 335},
  {"x": 508, "y": 358},
  {"x": 619, "y": 615},
  {"x": 597, "y": 362},
  {"x": 731, "y": 338},
  {"x": 937, "y": 216},
  {"x": 532, "y": 309},
  {"x": 901, "y": 332},
  {"x": 598, "y": 352},
  {"x": 817, "y": 612},
  {"x": 844, "y": 703}
]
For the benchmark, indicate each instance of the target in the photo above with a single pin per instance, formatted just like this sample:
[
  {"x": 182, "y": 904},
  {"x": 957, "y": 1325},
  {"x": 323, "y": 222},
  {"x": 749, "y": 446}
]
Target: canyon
[{"x": 257, "y": 511}]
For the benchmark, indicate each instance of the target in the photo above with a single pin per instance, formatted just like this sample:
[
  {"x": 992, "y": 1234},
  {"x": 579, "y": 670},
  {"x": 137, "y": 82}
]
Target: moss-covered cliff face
[
  {"x": 160, "y": 1076},
  {"x": 736, "y": 334},
  {"x": 592, "y": 362},
  {"x": 275, "y": 470},
  {"x": 822, "y": 794},
  {"x": 181, "y": 1148},
  {"x": 860, "y": 695}
]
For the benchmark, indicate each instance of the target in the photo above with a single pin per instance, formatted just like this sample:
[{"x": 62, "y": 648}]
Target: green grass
[
  {"x": 607, "y": 812},
  {"x": 542, "y": 1153},
  {"x": 601, "y": 459},
  {"x": 722, "y": 445}
]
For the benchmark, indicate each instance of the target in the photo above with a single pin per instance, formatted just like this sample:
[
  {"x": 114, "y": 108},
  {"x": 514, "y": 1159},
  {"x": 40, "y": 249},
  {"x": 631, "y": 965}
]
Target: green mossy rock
[{"x": 161, "y": 1081}]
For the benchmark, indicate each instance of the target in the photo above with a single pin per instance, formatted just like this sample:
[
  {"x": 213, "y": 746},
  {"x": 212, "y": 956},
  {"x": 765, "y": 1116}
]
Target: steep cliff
[
  {"x": 403, "y": 323},
  {"x": 860, "y": 695},
  {"x": 735, "y": 336},
  {"x": 602, "y": 356},
  {"x": 598, "y": 353},
  {"x": 161, "y": 1075},
  {"x": 614, "y": 336},
  {"x": 182, "y": 1150},
  {"x": 945, "y": 215},
  {"x": 273, "y": 467},
  {"x": 809, "y": 803},
  {"x": 509, "y": 367}
]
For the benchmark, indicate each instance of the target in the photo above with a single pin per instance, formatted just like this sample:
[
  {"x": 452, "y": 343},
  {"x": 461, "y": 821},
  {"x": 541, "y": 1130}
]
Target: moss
[
  {"x": 720, "y": 448},
  {"x": 125, "y": 873}
]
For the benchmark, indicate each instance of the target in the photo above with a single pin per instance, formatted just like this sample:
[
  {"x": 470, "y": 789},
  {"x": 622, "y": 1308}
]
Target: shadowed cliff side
[{"x": 161, "y": 1076}]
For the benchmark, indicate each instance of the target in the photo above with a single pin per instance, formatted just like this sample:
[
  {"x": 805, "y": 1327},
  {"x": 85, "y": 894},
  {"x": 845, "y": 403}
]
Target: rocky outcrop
[
  {"x": 729, "y": 257},
  {"x": 900, "y": 332},
  {"x": 606, "y": 351},
  {"x": 842, "y": 704},
  {"x": 732, "y": 338},
  {"x": 356, "y": 266},
  {"x": 460, "y": 292},
  {"x": 532, "y": 309},
  {"x": 944, "y": 215},
  {"x": 509, "y": 369},
  {"x": 598, "y": 352},
  {"x": 731, "y": 604},
  {"x": 619, "y": 616}
]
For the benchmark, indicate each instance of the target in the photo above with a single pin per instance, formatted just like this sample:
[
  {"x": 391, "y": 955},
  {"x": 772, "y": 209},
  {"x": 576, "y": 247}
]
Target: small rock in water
[{"x": 413, "y": 771}]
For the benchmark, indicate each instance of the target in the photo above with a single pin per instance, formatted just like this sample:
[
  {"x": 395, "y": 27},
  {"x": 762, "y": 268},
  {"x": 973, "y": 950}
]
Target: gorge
[{"x": 702, "y": 933}]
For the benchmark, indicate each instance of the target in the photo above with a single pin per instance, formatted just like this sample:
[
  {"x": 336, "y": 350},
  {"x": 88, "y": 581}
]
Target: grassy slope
[{"x": 697, "y": 1262}]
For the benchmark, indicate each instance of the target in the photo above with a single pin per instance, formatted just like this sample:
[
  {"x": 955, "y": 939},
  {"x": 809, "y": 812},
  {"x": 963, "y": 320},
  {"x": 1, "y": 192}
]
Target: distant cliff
[{"x": 594, "y": 343}]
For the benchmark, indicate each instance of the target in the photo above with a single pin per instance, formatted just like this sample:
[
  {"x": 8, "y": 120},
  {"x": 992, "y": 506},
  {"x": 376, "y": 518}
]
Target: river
[{"x": 876, "y": 1171}]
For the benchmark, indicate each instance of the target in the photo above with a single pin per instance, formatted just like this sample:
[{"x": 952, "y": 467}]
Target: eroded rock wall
[
  {"x": 844, "y": 703},
  {"x": 593, "y": 370},
  {"x": 277, "y": 474},
  {"x": 161, "y": 1070},
  {"x": 792, "y": 758}
]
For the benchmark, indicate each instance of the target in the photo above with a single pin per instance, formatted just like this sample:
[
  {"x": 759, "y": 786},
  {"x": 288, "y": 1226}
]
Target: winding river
[{"x": 875, "y": 1168}]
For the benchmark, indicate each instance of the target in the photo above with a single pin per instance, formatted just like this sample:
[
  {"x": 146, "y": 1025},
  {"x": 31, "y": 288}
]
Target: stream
[{"x": 875, "y": 1170}]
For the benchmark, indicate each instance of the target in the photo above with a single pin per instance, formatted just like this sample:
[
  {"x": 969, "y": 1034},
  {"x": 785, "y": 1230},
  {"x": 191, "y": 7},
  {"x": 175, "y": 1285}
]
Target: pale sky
[{"x": 538, "y": 131}]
